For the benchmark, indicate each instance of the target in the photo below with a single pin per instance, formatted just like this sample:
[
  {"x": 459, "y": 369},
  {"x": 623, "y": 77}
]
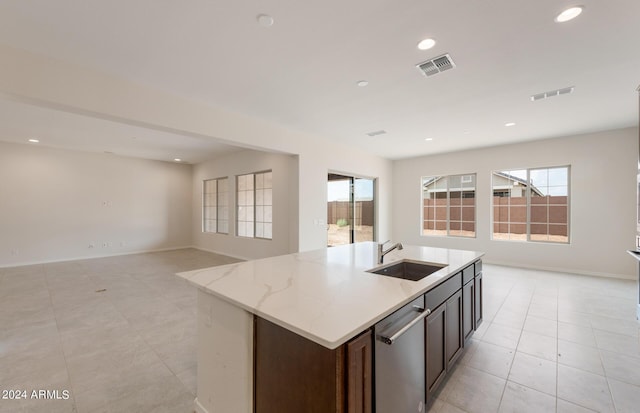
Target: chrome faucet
[{"x": 383, "y": 252}]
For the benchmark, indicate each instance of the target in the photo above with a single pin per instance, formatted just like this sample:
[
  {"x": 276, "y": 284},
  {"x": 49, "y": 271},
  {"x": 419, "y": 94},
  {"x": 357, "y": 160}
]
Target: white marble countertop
[{"x": 326, "y": 295}]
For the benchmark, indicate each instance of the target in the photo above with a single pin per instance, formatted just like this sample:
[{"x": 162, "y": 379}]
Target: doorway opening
[{"x": 350, "y": 209}]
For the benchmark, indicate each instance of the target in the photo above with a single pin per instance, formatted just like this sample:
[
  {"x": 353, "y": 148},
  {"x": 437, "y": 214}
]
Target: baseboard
[
  {"x": 198, "y": 408},
  {"x": 561, "y": 270},
  {"x": 92, "y": 257}
]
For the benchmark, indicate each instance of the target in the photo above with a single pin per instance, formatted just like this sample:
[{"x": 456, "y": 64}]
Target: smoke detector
[{"x": 436, "y": 65}]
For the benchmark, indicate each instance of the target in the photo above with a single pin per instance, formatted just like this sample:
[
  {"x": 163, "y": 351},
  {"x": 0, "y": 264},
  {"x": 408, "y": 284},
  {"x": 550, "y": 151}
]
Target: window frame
[
  {"x": 529, "y": 205},
  {"x": 448, "y": 206},
  {"x": 254, "y": 222},
  {"x": 218, "y": 205}
]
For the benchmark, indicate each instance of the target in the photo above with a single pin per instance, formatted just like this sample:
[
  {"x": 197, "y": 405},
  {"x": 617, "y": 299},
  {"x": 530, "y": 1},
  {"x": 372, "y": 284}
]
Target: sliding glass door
[{"x": 350, "y": 209}]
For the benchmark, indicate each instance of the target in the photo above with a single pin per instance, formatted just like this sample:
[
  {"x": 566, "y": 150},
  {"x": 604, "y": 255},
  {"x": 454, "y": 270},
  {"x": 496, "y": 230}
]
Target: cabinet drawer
[
  {"x": 467, "y": 274},
  {"x": 445, "y": 290},
  {"x": 478, "y": 265}
]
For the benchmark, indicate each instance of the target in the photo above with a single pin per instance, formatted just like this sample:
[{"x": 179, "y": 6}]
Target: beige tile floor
[
  {"x": 550, "y": 342},
  {"x": 119, "y": 334}
]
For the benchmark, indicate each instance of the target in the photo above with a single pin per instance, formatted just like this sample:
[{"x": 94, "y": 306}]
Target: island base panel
[
  {"x": 293, "y": 374},
  {"x": 225, "y": 357}
]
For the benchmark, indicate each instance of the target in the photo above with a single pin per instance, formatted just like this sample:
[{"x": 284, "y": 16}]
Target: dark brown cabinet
[
  {"x": 468, "y": 310},
  {"x": 478, "y": 299},
  {"x": 458, "y": 303},
  {"x": 360, "y": 374},
  {"x": 435, "y": 349},
  {"x": 444, "y": 340},
  {"x": 293, "y": 374},
  {"x": 453, "y": 328}
]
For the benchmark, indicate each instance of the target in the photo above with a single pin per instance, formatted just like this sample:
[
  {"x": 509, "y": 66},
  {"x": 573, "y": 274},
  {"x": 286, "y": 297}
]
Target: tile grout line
[
  {"x": 137, "y": 333},
  {"x": 515, "y": 351},
  {"x": 64, "y": 356},
  {"x": 503, "y": 389}
]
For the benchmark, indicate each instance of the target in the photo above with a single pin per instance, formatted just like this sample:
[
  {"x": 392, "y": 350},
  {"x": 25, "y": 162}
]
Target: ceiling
[
  {"x": 302, "y": 71},
  {"x": 20, "y": 122}
]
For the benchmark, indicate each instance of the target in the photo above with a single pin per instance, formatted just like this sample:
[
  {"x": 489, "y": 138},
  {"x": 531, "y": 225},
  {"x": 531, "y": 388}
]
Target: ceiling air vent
[
  {"x": 436, "y": 65},
  {"x": 552, "y": 93},
  {"x": 376, "y": 133}
]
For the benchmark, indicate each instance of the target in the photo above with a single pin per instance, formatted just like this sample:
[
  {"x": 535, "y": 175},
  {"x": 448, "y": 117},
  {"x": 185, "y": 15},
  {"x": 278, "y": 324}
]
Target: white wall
[
  {"x": 54, "y": 203},
  {"x": 44, "y": 81},
  {"x": 603, "y": 201},
  {"x": 285, "y": 204}
]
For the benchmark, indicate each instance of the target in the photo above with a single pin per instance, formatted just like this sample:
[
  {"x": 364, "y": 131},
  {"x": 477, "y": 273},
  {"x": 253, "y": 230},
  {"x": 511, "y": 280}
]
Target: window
[
  {"x": 449, "y": 205},
  {"x": 215, "y": 206},
  {"x": 255, "y": 205},
  {"x": 531, "y": 204}
]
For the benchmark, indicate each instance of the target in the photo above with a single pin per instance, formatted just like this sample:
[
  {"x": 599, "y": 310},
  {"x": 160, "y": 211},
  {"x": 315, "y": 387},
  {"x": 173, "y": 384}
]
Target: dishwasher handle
[{"x": 423, "y": 313}]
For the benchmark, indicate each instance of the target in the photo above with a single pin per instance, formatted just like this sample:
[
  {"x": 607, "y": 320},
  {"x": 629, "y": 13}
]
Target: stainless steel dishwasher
[{"x": 400, "y": 360}]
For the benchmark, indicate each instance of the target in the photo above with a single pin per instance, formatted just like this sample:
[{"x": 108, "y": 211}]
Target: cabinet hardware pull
[{"x": 423, "y": 314}]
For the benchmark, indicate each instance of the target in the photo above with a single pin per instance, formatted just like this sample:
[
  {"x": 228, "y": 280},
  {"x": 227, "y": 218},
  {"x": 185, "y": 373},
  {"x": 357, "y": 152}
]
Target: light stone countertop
[{"x": 326, "y": 295}]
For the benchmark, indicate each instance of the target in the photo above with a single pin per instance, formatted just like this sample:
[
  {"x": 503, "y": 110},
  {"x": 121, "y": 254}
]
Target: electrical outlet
[
  {"x": 92, "y": 245},
  {"x": 15, "y": 251},
  {"x": 105, "y": 244}
]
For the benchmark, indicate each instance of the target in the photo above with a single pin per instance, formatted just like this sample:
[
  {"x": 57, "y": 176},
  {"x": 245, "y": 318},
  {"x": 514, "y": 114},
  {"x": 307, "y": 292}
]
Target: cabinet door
[
  {"x": 468, "y": 310},
  {"x": 453, "y": 321},
  {"x": 359, "y": 374},
  {"x": 478, "y": 303},
  {"x": 435, "y": 349}
]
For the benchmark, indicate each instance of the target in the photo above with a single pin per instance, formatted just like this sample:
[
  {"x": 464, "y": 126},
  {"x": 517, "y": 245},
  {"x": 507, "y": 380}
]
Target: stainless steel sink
[{"x": 407, "y": 270}]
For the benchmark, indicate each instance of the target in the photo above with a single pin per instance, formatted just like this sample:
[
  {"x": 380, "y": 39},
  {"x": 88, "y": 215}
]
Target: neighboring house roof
[
  {"x": 520, "y": 180},
  {"x": 433, "y": 179}
]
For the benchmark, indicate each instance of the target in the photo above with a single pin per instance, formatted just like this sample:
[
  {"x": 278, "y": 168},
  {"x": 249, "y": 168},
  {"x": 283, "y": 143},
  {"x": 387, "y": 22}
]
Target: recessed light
[
  {"x": 34, "y": 140},
  {"x": 428, "y": 139},
  {"x": 362, "y": 83},
  {"x": 569, "y": 14},
  {"x": 177, "y": 159},
  {"x": 426, "y": 44},
  {"x": 510, "y": 124},
  {"x": 264, "y": 20}
]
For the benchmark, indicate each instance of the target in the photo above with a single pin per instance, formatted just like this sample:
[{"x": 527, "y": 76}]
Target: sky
[
  {"x": 339, "y": 190},
  {"x": 549, "y": 181}
]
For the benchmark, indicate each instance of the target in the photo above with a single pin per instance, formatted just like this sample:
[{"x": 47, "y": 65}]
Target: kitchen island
[{"x": 323, "y": 299}]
